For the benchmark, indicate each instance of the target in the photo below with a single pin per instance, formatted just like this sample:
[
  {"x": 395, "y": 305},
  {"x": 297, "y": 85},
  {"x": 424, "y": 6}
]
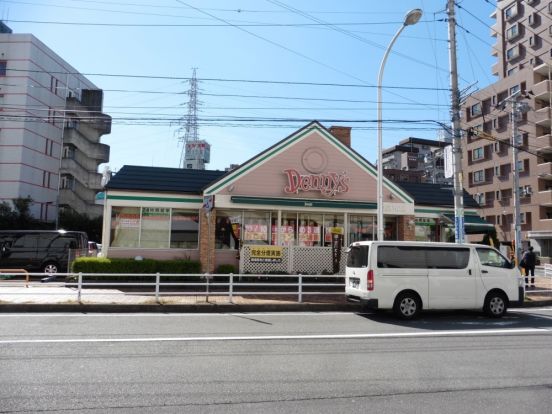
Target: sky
[{"x": 265, "y": 68}]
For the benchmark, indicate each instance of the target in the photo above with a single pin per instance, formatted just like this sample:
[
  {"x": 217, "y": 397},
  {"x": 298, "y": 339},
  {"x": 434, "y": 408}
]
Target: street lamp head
[{"x": 412, "y": 17}]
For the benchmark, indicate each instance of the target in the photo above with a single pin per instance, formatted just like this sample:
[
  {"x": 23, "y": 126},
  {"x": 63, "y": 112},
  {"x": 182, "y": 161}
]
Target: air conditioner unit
[{"x": 528, "y": 190}]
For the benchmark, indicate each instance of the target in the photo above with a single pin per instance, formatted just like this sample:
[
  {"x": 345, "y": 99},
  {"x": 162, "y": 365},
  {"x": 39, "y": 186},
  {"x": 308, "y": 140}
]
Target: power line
[
  {"x": 183, "y": 78},
  {"x": 203, "y": 24}
]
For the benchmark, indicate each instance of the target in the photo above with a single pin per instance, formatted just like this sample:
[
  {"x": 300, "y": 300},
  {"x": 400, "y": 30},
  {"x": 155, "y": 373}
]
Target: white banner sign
[{"x": 449, "y": 171}]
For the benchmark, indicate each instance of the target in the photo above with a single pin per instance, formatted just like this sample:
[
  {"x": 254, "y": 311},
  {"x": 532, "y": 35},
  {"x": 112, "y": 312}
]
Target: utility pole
[{"x": 456, "y": 137}]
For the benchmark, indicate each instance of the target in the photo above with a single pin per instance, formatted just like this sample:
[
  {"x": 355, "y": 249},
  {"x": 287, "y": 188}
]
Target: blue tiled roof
[
  {"x": 435, "y": 195},
  {"x": 174, "y": 180}
]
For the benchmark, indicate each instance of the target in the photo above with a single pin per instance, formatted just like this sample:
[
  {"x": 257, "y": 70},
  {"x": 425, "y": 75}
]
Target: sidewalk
[{"x": 55, "y": 297}]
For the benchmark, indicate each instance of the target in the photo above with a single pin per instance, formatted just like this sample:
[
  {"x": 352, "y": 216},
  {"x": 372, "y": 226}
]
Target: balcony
[
  {"x": 542, "y": 117},
  {"x": 545, "y": 198},
  {"x": 542, "y": 69},
  {"x": 544, "y": 171},
  {"x": 542, "y": 90},
  {"x": 544, "y": 144},
  {"x": 504, "y": 201},
  {"x": 496, "y": 68}
]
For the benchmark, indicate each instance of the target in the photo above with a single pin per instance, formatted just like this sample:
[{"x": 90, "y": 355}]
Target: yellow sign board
[{"x": 266, "y": 254}]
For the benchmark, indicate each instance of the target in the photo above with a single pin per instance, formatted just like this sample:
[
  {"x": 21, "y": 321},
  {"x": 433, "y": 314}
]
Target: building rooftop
[
  {"x": 435, "y": 194},
  {"x": 174, "y": 180}
]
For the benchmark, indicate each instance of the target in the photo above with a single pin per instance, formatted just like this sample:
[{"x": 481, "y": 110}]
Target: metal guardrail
[
  {"x": 9, "y": 272},
  {"x": 160, "y": 285}
]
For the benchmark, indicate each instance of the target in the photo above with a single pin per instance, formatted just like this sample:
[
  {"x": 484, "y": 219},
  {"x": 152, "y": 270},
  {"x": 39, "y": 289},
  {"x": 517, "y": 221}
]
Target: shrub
[
  {"x": 107, "y": 265},
  {"x": 226, "y": 269}
]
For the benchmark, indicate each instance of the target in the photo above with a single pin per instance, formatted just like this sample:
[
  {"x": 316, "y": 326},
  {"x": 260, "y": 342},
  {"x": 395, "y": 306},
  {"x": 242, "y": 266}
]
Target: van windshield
[{"x": 358, "y": 256}]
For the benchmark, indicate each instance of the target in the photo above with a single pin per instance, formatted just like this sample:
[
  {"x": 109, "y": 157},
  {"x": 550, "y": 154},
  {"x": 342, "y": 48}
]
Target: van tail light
[{"x": 370, "y": 280}]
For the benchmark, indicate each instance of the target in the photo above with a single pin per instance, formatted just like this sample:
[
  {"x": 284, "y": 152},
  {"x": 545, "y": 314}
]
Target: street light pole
[{"x": 411, "y": 18}]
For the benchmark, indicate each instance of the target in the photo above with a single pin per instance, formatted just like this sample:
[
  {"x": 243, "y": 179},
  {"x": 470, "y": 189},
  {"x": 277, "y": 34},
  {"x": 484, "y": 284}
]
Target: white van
[{"x": 410, "y": 276}]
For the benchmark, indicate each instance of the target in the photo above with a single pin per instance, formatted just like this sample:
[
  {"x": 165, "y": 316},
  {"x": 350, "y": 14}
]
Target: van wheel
[
  {"x": 407, "y": 305},
  {"x": 50, "y": 268},
  {"x": 495, "y": 305}
]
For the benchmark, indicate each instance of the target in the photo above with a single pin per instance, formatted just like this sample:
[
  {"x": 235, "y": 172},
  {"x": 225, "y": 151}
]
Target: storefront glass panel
[
  {"x": 155, "y": 227},
  {"x": 184, "y": 229},
  {"x": 256, "y": 227},
  {"x": 125, "y": 227},
  {"x": 426, "y": 229},
  {"x": 310, "y": 229},
  {"x": 228, "y": 227},
  {"x": 390, "y": 229},
  {"x": 361, "y": 228},
  {"x": 288, "y": 229},
  {"x": 333, "y": 229}
]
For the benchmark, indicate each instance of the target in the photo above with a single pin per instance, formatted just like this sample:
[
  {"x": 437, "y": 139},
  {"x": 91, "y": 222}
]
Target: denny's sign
[{"x": 329, "y": 184}]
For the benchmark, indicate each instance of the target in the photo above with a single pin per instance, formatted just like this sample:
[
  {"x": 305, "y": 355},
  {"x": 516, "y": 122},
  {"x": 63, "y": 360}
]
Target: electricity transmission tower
[{"x": 195, "y": 152}]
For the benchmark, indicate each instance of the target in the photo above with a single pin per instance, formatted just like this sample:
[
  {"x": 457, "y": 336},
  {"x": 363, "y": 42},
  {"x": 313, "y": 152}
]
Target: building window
[
  {"x": 532, "y": 20},
  {"x": 550, "y": 29},
  {"x": 512, "y": 32},
  {"x": 361, "y": 228},
  {"x": 479, "y": 198},
  {"x": 185, "y": 229},
  {"x": 549, "y": 8},
  {"x": 3, "y": 67},
  {"x": 513, "y": 52},
  {"x": 479, "y": 176},
  {"x": 511, "y": 11},
  {"x": 475, "y": 110},
  {"x": 478, "y": 153},
  {"x": 511, "y": 71}
]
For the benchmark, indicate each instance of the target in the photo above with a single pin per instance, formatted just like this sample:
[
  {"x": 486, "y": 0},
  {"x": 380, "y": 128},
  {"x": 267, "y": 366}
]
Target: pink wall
[{"x": 269, "y": 179}]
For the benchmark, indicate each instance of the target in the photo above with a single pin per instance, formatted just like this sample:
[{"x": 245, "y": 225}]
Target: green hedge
[{"x": 107, "y": 265}]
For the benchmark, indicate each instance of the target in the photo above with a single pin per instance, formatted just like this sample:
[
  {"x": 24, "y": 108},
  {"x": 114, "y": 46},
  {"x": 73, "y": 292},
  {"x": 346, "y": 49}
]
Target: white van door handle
[{"x": 484, "y": 271}]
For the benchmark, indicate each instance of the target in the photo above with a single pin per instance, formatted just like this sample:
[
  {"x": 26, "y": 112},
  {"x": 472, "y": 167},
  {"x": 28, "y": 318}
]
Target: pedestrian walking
[{"x": 528, "y": 263}]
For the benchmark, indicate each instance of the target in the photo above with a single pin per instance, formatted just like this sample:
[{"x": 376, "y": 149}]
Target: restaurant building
[{"x": 292, "y": 208}]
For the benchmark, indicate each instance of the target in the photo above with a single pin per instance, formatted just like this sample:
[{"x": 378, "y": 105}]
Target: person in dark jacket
[{"x": 528, "y": 263}]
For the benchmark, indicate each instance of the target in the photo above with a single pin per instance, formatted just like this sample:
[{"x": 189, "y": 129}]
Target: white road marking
[{"x": 481, "y": 332}]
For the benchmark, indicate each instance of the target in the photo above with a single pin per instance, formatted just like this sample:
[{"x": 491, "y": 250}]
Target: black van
[{"x": 40, "y": 250}]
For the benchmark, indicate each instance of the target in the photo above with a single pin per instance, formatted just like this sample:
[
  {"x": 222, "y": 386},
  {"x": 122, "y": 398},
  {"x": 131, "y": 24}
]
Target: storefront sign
[
  {"x": 266, "y": 254},
  {"x": 328, "y": 184},
  {"x": 398, "y": 208}
]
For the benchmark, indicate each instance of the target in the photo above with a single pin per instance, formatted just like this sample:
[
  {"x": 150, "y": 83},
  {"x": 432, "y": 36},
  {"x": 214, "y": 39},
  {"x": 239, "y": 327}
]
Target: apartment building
[
  {"x": 416, "y": 160},
  {"x": 50, "y": 129},
  {"x": 523, "y": 48}
]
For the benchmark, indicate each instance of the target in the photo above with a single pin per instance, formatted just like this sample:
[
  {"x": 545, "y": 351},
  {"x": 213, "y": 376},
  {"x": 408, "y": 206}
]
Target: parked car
[
  {"x": 410, "y": 276},
  {"x": 47, "y": 251}
]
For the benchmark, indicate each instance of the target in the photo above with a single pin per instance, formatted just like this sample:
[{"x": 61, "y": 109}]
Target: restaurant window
[
  {"x": 361, "y": 228},
  {"x": 3, "y": 67},
  {"x": 288, "y": 229},
  {"x": 155, "y": 227},
  {"x": 184, "y": 229},
  {"x": 426, "y": 229},
  {"x": 390, "y": 229},
  {"x": 310, "y": 230},
  {"x": 333, "y": 226},
  {"x": 125, "y": 227},
  {"x": 256, "y": 227}
]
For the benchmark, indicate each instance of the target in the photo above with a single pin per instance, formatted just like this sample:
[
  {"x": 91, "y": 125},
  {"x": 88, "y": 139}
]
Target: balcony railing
[
  {"x": 542, "y": 117},
  {"x": 545, "y": 198},
  {"x": 542, "y": 90},
  {"x": 544, "y": 144},
  {"x": 544, "y": 171}
]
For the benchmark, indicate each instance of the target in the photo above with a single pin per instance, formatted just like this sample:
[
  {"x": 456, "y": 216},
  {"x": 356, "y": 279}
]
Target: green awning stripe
[
  {"x": 166, "y": 199},
  {"x": 290, "y": 202}
]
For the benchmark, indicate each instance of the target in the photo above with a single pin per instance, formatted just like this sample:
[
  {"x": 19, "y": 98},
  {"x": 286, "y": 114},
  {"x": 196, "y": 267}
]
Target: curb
[
  {"x": 204, "y": 308},
  {"x": 156, "y": 308}
]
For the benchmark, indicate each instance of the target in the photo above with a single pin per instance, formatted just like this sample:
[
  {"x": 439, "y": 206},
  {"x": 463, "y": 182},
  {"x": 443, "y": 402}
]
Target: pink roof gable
[{"x": 310, "y": 164}]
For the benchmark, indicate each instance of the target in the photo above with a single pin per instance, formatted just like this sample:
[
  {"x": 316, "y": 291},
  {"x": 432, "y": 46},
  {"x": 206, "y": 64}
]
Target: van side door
[{"x": 452, "y": 281}]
